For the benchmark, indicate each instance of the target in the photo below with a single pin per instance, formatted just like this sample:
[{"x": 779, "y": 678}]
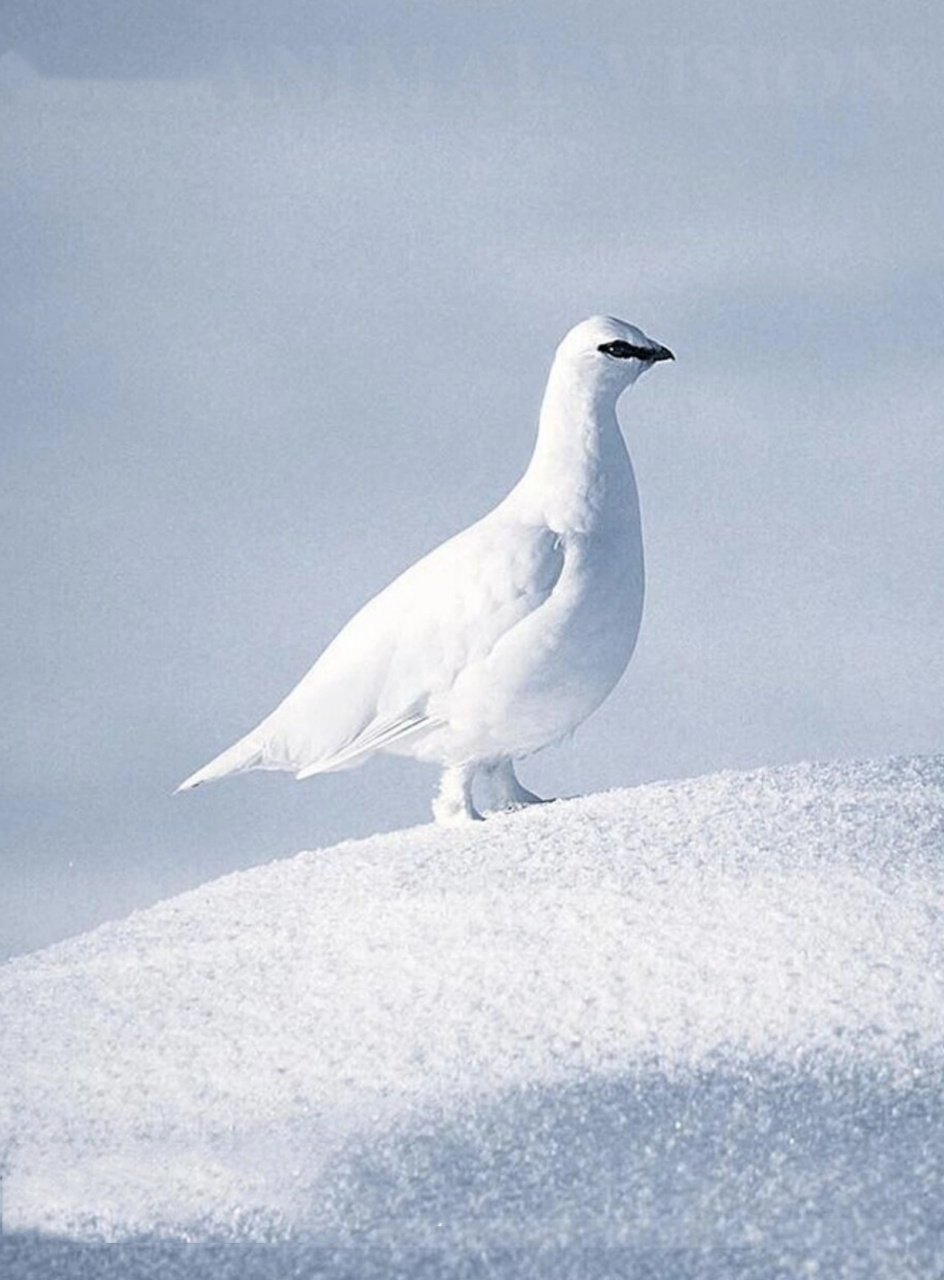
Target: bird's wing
[{"x": 373, "y": 685}]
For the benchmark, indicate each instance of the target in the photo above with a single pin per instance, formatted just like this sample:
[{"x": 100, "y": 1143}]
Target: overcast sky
[{"x": 281, "y": 284}]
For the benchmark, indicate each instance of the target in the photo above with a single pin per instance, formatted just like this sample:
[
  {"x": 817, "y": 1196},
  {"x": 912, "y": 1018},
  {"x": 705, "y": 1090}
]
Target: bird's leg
[
  {"x": 453, "y": 805},
  {"x": 507, "y": 791}
]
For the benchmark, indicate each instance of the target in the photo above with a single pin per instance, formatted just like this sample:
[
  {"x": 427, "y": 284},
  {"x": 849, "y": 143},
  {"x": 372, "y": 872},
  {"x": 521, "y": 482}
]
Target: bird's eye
[{"x": 624, "y": 350}]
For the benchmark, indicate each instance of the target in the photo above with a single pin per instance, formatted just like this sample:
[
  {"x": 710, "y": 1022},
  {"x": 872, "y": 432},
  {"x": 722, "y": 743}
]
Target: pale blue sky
[{"x": 280, "y": 292}]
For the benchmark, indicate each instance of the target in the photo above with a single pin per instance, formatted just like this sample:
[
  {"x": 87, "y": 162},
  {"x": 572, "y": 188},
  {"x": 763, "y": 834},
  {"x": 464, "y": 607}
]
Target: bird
[{"x": 505, "y": 637}]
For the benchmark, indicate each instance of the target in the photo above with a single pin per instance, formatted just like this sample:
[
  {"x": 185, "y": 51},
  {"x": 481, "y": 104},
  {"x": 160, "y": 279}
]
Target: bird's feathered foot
[
  {"x": 453, "y": 805},
  {"x": 507, "y": 793}
]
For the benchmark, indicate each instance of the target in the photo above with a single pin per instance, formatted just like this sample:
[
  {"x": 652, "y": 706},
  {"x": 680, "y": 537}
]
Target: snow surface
[{"x": 695, "y": 1029}]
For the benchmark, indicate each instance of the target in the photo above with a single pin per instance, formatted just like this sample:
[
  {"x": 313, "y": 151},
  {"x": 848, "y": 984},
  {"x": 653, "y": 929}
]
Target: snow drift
[{"x": 697, "y": 1025}]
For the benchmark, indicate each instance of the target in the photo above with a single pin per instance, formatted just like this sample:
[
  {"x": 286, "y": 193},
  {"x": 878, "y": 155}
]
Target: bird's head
[{"x": 609, "y": 352}]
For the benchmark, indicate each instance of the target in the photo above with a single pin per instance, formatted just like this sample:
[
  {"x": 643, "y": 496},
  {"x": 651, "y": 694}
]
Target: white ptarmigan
[{"x": 507, "y": 636}]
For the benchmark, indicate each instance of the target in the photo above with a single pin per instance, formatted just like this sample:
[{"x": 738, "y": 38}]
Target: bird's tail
[{"x": 244, "y": 754}]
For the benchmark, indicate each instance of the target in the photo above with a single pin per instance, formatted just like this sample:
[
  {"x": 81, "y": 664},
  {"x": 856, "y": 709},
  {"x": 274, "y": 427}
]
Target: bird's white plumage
[{"x": 505, "y": 637}]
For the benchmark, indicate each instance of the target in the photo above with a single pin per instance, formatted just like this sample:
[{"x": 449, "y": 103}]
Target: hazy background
[{"x": 280, "y": 286}]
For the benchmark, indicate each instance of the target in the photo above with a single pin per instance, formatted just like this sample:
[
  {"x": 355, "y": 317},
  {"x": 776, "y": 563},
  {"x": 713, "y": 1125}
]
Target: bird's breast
[{"x": 601, "y": 598}]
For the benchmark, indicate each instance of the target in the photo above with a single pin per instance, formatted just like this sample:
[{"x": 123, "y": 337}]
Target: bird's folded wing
[{"x": 373, "y": 685}]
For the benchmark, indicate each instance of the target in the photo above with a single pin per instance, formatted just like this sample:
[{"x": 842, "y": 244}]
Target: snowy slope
[{"x": 700, "y": 1020}]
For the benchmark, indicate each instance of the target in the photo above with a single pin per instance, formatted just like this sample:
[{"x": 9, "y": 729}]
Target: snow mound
[{"x": 700, "y": 1020}]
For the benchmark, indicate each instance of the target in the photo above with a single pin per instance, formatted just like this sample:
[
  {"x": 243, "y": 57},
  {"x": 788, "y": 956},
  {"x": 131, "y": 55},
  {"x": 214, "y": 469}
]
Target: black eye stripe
[{"x": 625, "y": 350}]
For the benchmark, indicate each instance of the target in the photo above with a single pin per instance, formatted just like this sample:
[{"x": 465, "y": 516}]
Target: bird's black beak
[{"x": 660, "y": 353}]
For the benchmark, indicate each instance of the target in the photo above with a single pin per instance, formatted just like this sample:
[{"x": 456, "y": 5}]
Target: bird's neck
[{"x": 580, "y": 465}]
